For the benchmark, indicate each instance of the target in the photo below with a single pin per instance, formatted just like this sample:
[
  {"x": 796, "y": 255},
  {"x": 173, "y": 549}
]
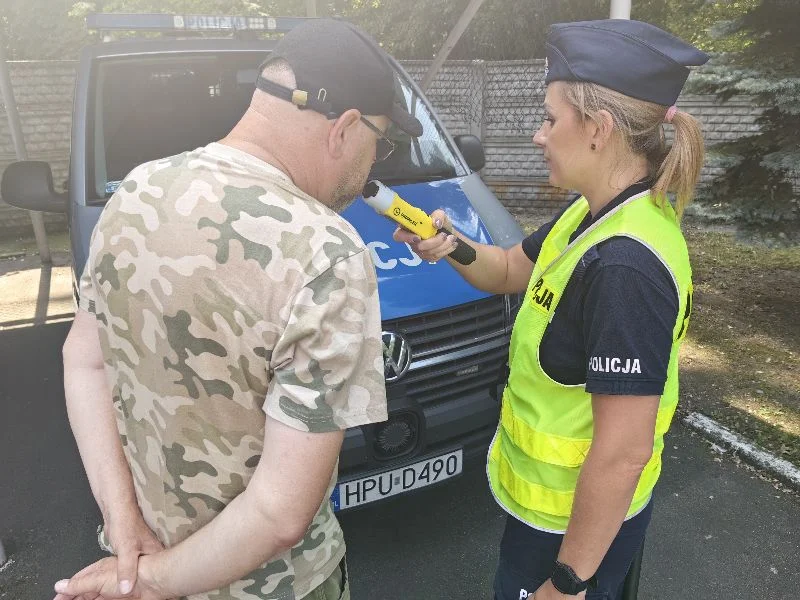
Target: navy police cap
[{"x": 634, "y": 58}]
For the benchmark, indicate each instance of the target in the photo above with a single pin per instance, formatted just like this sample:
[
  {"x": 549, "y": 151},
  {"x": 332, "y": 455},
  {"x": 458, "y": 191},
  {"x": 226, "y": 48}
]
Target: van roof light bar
[{"x": 190, "y": 23}]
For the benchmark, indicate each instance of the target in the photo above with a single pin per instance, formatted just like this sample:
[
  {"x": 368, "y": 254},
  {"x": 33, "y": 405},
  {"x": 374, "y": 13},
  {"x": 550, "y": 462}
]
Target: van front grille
[
  {"x": 441, "y": 330},
  {"x": 458, "y": 378}
]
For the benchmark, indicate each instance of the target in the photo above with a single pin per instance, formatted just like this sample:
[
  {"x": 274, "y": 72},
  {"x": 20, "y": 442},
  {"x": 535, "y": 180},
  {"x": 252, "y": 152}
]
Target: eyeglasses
[{"x": 385, "y": 146}]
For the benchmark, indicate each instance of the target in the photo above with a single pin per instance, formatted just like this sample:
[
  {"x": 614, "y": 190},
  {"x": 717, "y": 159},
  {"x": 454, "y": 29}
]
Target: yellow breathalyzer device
[{"x": 389, "y": 204}]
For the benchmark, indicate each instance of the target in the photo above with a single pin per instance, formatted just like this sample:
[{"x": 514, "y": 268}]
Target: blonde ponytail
[{"x": 679, "y": 172}]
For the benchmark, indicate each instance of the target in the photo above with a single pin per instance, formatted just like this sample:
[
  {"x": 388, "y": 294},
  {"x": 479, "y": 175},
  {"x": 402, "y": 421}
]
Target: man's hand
[
  {"x": 99, "y": 580},
  {"x": 546, "y": 591},
  {"x": 129, "y": 538}
]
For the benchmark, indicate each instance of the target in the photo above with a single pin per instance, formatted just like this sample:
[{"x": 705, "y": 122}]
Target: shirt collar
[{"x": 629, "y": 192}]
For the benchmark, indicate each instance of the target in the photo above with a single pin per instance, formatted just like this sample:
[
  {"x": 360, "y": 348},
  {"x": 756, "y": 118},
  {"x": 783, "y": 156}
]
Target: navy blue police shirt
[{"x": 612, "y": 328}]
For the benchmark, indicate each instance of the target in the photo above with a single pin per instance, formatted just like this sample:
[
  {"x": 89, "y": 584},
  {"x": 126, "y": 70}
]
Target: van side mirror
[
  {"x": 472, "y": 149},
  {"x": 28, "y": 184}
]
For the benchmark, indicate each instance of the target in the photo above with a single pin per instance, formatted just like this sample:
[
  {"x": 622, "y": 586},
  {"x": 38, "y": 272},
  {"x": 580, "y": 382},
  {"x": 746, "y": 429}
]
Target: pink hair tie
[{"x": 670, "y": 114}]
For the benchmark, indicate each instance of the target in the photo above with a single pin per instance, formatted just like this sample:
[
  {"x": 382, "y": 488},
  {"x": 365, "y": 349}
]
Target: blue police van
[{"x": 445, "y": 342}]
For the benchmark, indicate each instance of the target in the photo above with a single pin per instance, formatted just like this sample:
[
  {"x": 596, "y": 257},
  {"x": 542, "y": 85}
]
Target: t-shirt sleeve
[
  {"x": 630, "y": 310},
  {"x": 532, "y": 244},
  {"x": 327, "y": 366}
]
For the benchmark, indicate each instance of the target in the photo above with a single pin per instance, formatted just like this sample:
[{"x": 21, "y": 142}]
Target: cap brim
[{"x": 405, "y": 121}]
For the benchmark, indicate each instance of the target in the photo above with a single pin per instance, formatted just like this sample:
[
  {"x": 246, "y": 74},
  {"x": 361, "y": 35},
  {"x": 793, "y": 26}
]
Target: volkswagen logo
[{"x": 396, "y": 355}]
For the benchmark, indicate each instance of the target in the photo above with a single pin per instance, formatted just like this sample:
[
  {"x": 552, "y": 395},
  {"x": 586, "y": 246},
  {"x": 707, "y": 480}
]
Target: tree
[
  {"x": 695, "y": 20},
  {"x": 762, "y": 171},
  {"x": 501, "y": 30},
  {"x": 39, "y": 29}
]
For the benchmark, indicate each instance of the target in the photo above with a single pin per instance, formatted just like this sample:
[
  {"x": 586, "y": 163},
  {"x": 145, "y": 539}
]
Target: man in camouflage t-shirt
[{"x": 228, "y": 332}]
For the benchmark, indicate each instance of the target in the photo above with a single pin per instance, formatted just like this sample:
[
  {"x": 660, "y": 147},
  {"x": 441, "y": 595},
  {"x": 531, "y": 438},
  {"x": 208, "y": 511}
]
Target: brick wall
[
  {"x": 721, "y": 122},
  {"x": 501, "y": 102},
  {"x": 43, "y": 91}
]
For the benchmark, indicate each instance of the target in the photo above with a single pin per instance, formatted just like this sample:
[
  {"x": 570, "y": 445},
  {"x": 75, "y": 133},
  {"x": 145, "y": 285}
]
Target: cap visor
[{"x": 405, "y": 121}]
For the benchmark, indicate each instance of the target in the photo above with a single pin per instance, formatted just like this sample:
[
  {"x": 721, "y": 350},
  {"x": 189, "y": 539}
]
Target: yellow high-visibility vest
[{"x": 545, "y": 428}]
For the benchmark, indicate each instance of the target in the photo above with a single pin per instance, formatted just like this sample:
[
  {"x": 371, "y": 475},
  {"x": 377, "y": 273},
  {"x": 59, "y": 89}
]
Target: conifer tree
[{"x": 761, "y": 180}]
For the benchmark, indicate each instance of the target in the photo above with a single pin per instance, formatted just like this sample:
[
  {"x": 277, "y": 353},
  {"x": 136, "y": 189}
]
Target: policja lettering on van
[{"x": 606, "y": 364}]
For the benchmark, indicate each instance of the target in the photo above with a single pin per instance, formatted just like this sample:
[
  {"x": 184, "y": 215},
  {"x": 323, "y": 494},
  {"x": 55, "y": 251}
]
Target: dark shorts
[{"x": 527, "y": 556}]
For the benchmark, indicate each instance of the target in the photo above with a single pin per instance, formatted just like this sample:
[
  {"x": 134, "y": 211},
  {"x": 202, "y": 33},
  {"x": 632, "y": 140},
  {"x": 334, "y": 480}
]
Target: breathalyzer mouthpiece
[
  {"x": 378, "y": 196},
  {"x": 371, "y": 189}
]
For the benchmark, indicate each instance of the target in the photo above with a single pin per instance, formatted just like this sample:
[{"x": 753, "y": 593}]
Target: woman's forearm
[
  {"x": 489, "y": 271},
  {"x": 622, "y": 445},
  {"x": 603, "y": 495}
]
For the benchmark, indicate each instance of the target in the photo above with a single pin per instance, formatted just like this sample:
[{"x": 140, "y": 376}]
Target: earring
[{"x": 594, "y": 147}]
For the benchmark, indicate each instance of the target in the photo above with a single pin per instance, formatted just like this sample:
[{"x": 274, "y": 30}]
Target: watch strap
[{"x": 566, "y": 581}]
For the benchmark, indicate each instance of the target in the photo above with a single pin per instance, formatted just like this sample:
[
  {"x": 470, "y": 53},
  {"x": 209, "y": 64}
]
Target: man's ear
[
  {"x": 343, "y": 132},
  {"x": 603, "y": 127}
]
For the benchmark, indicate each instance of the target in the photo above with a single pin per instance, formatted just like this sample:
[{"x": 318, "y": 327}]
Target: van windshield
[{"x": 148, "y": 108}]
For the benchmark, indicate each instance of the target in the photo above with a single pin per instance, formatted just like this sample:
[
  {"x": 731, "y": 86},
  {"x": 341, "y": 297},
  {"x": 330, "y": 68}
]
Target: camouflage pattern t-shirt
[{"x": 223, "y": 294}]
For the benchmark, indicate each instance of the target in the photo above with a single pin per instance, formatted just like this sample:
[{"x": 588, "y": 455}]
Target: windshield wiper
[{"x": 417, "y": 177}]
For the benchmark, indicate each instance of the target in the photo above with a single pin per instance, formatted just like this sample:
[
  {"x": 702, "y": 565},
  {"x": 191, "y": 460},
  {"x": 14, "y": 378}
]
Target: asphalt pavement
[{"x": 719, "y": 529}]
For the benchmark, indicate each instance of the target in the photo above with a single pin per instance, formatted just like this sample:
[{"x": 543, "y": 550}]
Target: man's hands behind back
[
  {"x": 98, "y": 581},
  {"x": 129, "y": 538}
]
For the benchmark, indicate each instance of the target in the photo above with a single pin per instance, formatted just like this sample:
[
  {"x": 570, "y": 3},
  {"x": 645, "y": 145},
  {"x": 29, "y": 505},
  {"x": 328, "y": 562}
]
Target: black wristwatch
[{"x": 567, "y": 582}]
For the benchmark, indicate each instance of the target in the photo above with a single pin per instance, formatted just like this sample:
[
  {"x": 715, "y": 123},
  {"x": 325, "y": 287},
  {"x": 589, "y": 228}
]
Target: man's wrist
[
  {"x": 121, "y": 507},
  {"x": 122, "y": 517},
  {"x": 150, "y": 574}
]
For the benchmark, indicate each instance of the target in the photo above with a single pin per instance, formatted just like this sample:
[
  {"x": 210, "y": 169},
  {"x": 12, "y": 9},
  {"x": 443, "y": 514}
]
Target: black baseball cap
[
  {"x": 338, "y": 67},
  {"x": 631, "y": 57}
]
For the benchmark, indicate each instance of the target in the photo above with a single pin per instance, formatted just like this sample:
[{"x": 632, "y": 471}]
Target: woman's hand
[
  {"x": 495, "y": 269},
  {"x": 433, "y": 248}
]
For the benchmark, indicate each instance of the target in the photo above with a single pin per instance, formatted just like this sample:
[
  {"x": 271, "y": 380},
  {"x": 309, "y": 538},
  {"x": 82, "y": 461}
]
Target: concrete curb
[
  {"x": 779, "y": 468},
  {"x": 13, "y": 256}
]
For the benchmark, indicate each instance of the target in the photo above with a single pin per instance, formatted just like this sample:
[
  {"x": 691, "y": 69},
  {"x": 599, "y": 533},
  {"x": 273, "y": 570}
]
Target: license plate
[{"x": 390, "y": 483}]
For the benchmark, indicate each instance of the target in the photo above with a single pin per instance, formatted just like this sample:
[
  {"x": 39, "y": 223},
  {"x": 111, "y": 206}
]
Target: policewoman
[{"x": 594, "y": 352}]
